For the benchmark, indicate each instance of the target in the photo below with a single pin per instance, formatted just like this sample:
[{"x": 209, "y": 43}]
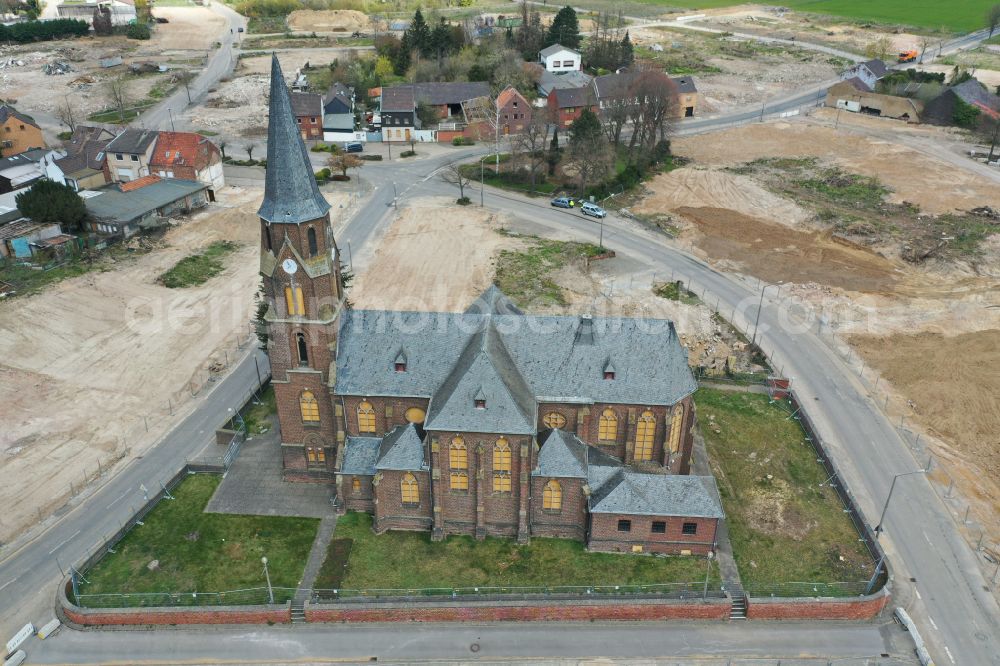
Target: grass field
[
  {"x": 526, "y": 275},
  {"x": 411, "y": 560},
  {"x": 203, "y": 552},
  {"x": 964, "y": 16},
  {"x": 785, "y": 523},
  {"x": 198, "y": 268}
]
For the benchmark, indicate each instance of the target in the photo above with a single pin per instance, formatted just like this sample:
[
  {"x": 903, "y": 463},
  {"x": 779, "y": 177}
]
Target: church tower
[{"x": 300, "y": 267}]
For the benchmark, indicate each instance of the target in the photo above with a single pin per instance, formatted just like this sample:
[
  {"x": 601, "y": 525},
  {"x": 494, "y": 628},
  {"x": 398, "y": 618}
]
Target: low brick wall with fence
[
  {"x": 848, "y": 608},
  {"x": 166, "y": 615},
  {"x": 522, "y": 611}
]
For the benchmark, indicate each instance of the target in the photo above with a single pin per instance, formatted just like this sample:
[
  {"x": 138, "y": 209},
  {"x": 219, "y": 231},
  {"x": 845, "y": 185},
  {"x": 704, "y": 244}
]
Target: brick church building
[{"x": 485, "y": 422}]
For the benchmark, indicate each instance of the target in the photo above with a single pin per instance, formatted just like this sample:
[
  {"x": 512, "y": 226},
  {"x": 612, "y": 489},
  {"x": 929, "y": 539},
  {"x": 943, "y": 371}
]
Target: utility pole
[
  {"x": 881, "y": 519},
  {"x": 270, "y": 591},
  {"x": 170, "y": 112}
]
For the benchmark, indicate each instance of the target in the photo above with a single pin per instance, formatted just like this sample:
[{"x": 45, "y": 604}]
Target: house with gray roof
[{"x": 941, "y": 110}]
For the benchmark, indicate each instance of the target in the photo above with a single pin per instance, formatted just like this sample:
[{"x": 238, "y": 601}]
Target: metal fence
[
  {"x": 254, "y": 596},
  {"x": 806, "y": 589}
]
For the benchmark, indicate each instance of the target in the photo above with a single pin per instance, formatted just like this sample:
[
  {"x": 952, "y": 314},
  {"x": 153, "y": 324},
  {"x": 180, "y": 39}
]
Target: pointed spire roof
[{"x": 291, "y": 195}]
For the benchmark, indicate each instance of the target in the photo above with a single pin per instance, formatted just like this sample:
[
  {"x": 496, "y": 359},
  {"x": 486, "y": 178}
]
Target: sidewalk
[{"x": 724, "y": 548}]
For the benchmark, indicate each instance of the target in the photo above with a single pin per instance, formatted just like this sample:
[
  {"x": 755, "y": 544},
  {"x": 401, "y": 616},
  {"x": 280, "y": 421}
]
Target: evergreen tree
[
  {"x": 441, "y": 41},
  {"x": 419, "y": 34},
  {"x": 626, "y": 54},
  {"x": 553, "y": 156},
  {"x": 401, "y": 62},
  {"x": 565, "y": 29},
  {"x": 49, "y": 201}
]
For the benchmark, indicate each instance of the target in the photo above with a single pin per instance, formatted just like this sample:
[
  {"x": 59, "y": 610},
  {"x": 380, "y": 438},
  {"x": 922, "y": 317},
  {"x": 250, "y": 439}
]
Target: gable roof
[
  {"x": 508, "y": 95},
  {"x": 402, "y": 449},
  {"x": 975, "y": 93},
  {"x": 7, "y": 112},
  {"x": 521, "y": 359},
  {"x": 134, "y": 141},
  {"x": 338, "y": 99},
  {"x": 436, "y": 93},
  {"x": 554, "y": 49},
  {"x": 562, "y": 455},
  {"x": 138, "y": 183},
  {"x": 628, "y": 492},
  {"x": 307, "y": 104},
  {"x": 85, "y": 150},
  {"x": 184, "y": 149},
  {"x": 484, "y": 371},
  {"x": 567, "y": 98},
  {"x": 685, "y": 84},
  {"x": 397, "y": 99},
  {"x": 291, "y": 195},
  {"x": 876, "y": 67},
  {"x": 856, "y": 83},
  {"x": 549, "y": 81}
]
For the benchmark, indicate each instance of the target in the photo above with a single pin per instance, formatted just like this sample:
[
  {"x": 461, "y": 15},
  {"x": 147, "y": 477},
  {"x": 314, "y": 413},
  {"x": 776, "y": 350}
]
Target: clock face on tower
[{"x": 289, "y": 266}]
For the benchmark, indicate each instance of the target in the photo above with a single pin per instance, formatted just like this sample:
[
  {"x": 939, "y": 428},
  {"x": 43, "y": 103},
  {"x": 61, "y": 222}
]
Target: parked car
[
  {"x": 354, "y": 147},
  {"x": 593, "y": 210},
  {"x": 562, "y": 202}
]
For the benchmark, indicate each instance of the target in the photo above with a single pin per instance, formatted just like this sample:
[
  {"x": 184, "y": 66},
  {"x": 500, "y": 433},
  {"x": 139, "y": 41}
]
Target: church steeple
[{"x": 291, "y": 195}]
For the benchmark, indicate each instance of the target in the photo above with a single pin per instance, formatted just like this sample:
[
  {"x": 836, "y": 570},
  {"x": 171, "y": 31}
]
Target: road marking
[
  {"x": 933, "y": 624},
  {"x": 120, "y": 498},
  {"x": 949, "y": 654},
  {"x": 918, "y": 594},
  {"x": 64, "y": 542},
  {"x": 8, "y": 583}
]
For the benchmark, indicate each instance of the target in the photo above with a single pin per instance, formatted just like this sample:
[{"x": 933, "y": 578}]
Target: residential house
[
  {"x": 941, "y": 109},
  {"x": 21, "y": 170},
  {"x": 338, "y": 109},
  {"x": 398, "y": 111},
  {"x": 617, "y": 86},
  {"x": 548, "y": 81},
  {"x": 122, "y": 11},
  {"x": 308, "y": 110},
  {"x": 188, "y": 156},
  {"x": 868, "y": 72},
  {"x": 25, "y": 239},
  {"x": 83, "y": 166},
  {"x": 127, "y": 155},
  {"x": 557, "y": 58},
  {"x": 566, "y": 104},
  {"x": 855, "y": 95},
  {"x": 146, "y": 202},
  {"x": 688, "y": 98},
  {"x": 18, "y": 132},
  {"x": 514, "y": 109}
]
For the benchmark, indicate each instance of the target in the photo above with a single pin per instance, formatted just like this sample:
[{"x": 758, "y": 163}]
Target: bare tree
[
  {"x": 589, "y": 154},
  {"x": 993, "y": 18},
  {"x": 531, "y": 143},
  {"x": 453, "y": 175},
  {"x": 615, "y": 114},
  {"x": 66, "y": 114},
  {"x": 653, "y": 111},
  {"x": 117, "y": 92},
  {"x": 879, "y": 48},
  {"x": 250, "y": 147},
  {"x": 925, "y": 43},
  {"x": 222, "y": 143}
]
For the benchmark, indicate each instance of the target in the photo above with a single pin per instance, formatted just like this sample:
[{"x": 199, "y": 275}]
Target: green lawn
[
  {"x": 409, "y": 560},
  {"x": 198, "y": 268},
  {"x": 784, "y": 525},
  {"x": 256, "y": 417},
  {"x": 203, "y": 552},
  {"x": 964, "y": 15}
]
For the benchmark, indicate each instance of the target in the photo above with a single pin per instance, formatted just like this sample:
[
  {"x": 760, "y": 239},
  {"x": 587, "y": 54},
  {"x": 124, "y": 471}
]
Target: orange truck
[{"x": 908, "y": 56}]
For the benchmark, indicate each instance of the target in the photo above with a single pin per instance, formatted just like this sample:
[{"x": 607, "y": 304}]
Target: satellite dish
[{"x": 289, "y": 266}]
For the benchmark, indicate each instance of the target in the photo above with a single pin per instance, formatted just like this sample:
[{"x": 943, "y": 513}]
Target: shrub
[
  {"x": 320, "y": 148},
  {"x": 462, "y": 141},
  {"x": 370, "y": 158},
  {"x": 323, "y": 174},
  {"x": 138, "y": 31},
  {"x": 463, "y": 201},
  {"x": 408, "y": 153}
]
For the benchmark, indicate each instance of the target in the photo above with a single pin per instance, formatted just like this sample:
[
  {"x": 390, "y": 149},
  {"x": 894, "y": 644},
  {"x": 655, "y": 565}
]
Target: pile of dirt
[
  {"x": 954, "y": 394},
  {"x": 933, "y": 184},
  {"x": 329, "y": 20},
  {"x": 696, "y": 188},
  {"x": 773, "y": 252}
]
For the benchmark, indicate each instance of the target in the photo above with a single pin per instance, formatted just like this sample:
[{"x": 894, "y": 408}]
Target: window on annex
[
  {"x": 607, "y": 427},
  {"x": 624, "y": 525},
  {"x": 644, "y": 432},
  {"x": 659, "y": 527},
  {"x": 689, "y": 528},
  {"x": 458, "y": 463},
  {"x": 355, "y": 485},
  {"x": 501, "y": 466},
  {"x": 409, "y": 491},
  {"x": 675, "y": 429},
  {"x": 552, "y": 496},
  {"x": 366, "y": 417}
]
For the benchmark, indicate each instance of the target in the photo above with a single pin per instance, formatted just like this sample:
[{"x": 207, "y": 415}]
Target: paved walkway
[
  {"x": 724, "y": 548},
  {"x": 253, "y": 485},
  {"x": 316, "y": 556}
]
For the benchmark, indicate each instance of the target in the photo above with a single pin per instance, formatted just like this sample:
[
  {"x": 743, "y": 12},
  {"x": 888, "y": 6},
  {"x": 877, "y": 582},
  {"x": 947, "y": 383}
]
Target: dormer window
[
  {"x": 400, "y": 367},
  {"x": 480, "y": 403},
  {"x": 400, "y": 362},
  {"x": 609, "y": 374}
]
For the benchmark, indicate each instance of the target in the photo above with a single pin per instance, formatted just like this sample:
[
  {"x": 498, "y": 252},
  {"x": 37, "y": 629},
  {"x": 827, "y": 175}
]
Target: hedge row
[{"x": 39, "y": 31}]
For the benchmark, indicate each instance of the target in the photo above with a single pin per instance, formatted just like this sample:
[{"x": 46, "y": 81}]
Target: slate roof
[
  {"x": 32, "y": 156},
  {"x": 132, "y": 141},
  {"x": 184, "y": 149},
  {"x": 975, "y": 93},
  {"x": 628, "y": 492},
  {"x": 685, "y": 84},
  {"x": 484, "y": 371},
  {"x": 493, "y": 301},
  {"x": 291, "y": 195},
  {"x": 550, "y": 81},
  {"x": 339, "y": 99},
  {"x": 7, "y": 112},
  {"x": 85, "y": 154},
  {"x": 402, "y": 449},
  {"x": 562, "y": 455},
  {"x": 858, "y": 84},
  {"x": 567, "y": 98},
  {"x": 554, "y": 49},
  {"x": 397, "y": 99},
  {"x": 876, "y": 67},
  {"x": 307, "y": 104},
  {"x": 360, "y": 454},
  {"x": 520, "y": 359}
]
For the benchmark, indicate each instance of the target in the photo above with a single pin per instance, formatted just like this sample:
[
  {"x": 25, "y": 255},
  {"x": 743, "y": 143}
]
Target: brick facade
[
  {"x": 605, "y": 534},
  {"x": 569, "y": 522},
  {"x": 390, "y": 511}
]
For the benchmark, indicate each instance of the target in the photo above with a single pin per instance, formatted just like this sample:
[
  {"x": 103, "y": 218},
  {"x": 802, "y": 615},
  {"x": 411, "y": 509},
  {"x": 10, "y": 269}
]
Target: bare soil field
[
  {"x": 933, "y": 184},
  {"x": 182, "y": 43},
  {"x": 955, "y": 394},
  {"x": 331, "y": 20},
  {"x": 988, "y": 77},
  {"x": 85, "y": 360}
]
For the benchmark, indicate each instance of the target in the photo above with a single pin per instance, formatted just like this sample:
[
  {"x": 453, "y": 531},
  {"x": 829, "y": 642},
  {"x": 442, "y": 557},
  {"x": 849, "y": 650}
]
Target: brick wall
[
  {"x": 605, "y": 536},
  {"x": 362, "y": 499},
  {"x": 555, "y": 611},
  {"x": 571, "y": 521},
  {"x": 853, "y": 608},
  {"x": 391, "y": 513},
  {"x": 389, "y": 412}
]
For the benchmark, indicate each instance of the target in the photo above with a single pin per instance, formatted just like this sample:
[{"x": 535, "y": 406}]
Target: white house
[
  {"x": 122, "y": 11},
  {"x": 869, "y": 72},
  {"x": 558, "y": 58}
]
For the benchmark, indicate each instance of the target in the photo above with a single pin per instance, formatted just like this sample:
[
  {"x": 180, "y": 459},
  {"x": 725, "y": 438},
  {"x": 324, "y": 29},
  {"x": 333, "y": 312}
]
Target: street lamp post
[
  {"x": 270, "y": 591},
  {"x": 881, "y": 519},
  {"x": 759, "y": 306}
]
